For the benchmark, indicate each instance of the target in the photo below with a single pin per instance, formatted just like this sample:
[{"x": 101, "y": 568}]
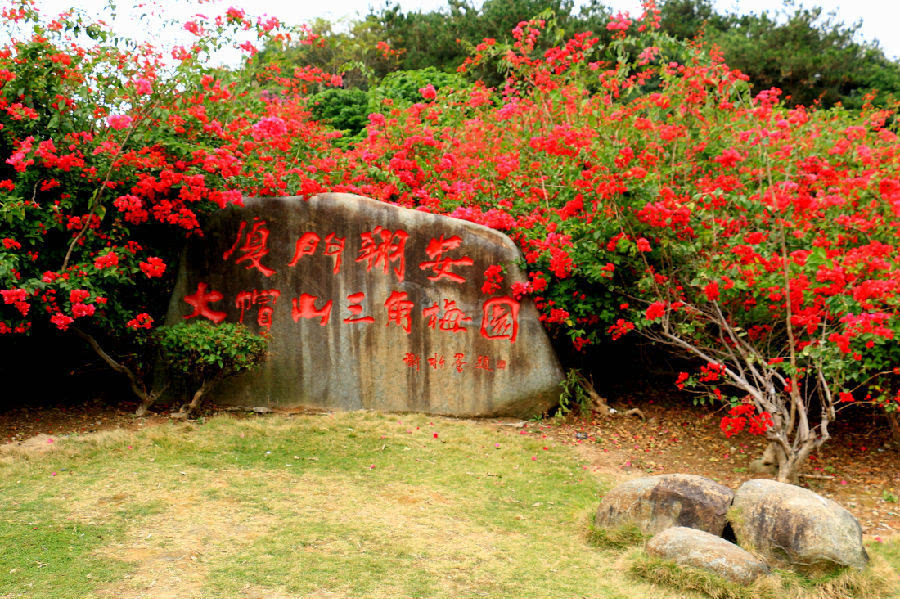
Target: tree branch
[{"x": 136, "y": 384}]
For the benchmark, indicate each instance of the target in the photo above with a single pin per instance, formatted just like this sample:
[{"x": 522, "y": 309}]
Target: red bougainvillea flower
[
  {"x": 142, "y": 85},
  {"x": 81, "y": 310},
  {"x": 620, "y": 328},
  {"x": 655, "y": 310},
  {"x": 711, "y": 291},
  {"x": 107, "y": 260},
  {"x": 153, "y": 267},
  {"x": 141, "y": 321},
  {"x": 12, "y": 296},
  {"x": 428, "y": 92},
  {"x": 61, "y": 321},
  {"x": 78, "y": 296},
  {"x": 493, "y": 279}
]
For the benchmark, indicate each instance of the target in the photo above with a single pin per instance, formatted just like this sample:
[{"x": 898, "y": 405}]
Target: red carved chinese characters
[
  {"x": 431, "y": 315},
  {"x": 308, "y": 242},
  {"x": 500, "y": 319},
  {"x": 305, "y": 246},
  {"x": 355, "y": 299},
  {"x": 441, "y": 266},
  {"x": 381, "y": 249},
  {"x": 334, "y": 246},
  {"x": 436, "y": 361},
  {"x": 411, "y": 360},
  {"x": 305, "y": 307},
  {"x": 399, "y": 310},
  {"x": 451, "y": 320},
  {"x": 385, "y": 247},
  {"x": 265, "y": 299},
  {"x": 201, "y": 300},
  {"x": 483, "y": 363},
  {"x": 254, "y": 248}
]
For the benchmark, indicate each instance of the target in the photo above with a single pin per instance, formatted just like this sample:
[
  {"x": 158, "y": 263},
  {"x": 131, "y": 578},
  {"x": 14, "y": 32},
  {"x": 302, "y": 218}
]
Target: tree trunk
[
  {"x": 768, "y": 463},
  {"x": 137, "y": 385},
  {"x": 894, "y": 420},
  {"x": 188, "y": 410},
  {"x": 145, "y": 404},
  {"x": 789, "y": 465},
  {"x": 789, "y": 471},
  {"x": 774, "y": 461}
]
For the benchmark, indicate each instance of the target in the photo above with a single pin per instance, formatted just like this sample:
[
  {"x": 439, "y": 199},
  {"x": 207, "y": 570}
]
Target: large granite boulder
[
  {"x": 655, "y": 503},
  {"x": 794, "y": 527},
  {"x": 699, "y": 549},
  {"x": 368, "y": 305}
]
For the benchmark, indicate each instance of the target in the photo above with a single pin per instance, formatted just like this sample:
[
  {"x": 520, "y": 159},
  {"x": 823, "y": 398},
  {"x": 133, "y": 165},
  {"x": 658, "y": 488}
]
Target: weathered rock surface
[
  {"x": 697, "y": 548},
  {"x": 792, "y": 526},
  {"x": 369, "y": 305},
  {"x": 655, "y": 503}
]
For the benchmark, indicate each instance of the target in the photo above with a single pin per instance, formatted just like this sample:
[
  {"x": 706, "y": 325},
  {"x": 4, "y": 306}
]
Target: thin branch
[
  {"x": 734, "y": 376},
  {"x": 136, "y": 385},
  {"x": 99, "y": 192}
]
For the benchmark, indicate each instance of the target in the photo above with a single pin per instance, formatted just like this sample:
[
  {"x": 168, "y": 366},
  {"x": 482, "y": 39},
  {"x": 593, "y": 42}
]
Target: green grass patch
[
  {"x": 887, "y": 550},
  {"x": 42, "y": 554},
  {"x": 355, "y": 505}
]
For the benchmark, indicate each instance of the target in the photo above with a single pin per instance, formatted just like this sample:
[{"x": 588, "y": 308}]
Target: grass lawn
[{"x": 338, "y": 505}]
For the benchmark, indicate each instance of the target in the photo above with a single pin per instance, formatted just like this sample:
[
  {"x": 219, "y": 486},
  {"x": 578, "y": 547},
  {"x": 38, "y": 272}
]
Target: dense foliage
[
  {"x": 114, "y": 153},
  {"x": 809, "y": 54},
  {"x": 758, "y": 238},
  {"x": 199, "y": 354},
  {"x": 650, "y": 189}
]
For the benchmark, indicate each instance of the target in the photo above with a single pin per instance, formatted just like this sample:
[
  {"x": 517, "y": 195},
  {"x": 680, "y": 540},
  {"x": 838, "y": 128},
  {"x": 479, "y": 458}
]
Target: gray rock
[
  {"x": 369, "y": 306},
  {"x": 655, "y": 503},
  {"x": 794, "y": 527},
  {"x": 699, "y": 549}
]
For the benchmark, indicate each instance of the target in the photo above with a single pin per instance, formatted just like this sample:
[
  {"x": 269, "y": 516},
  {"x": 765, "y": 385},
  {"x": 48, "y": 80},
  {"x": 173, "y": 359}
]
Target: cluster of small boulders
[{"x": 774, "y": 525}]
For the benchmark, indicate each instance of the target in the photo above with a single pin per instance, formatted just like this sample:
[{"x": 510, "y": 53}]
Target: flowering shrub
[
  {"x": 200, "y": 354},
  {"x": 649, "y": 191},
  {"x": 113, "y": 153}
]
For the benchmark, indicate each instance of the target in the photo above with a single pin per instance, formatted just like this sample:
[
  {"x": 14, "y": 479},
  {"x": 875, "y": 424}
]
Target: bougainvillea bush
[
  {"x": 651, "y": 189},
  {"x": 114, "y": 152}
]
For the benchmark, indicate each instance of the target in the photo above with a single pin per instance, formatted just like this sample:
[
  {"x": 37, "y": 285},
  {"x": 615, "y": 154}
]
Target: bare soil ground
[{"x": 21, "y": 423}]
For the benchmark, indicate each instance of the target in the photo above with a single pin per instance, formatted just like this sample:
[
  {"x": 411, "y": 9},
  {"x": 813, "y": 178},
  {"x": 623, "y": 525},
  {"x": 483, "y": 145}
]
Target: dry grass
[
  {"x": 355, "y": 505},
  {"x": 878, "y": 581},
  {"x": 344, "y": 505},
  {"x": 614, "y": 538}
]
